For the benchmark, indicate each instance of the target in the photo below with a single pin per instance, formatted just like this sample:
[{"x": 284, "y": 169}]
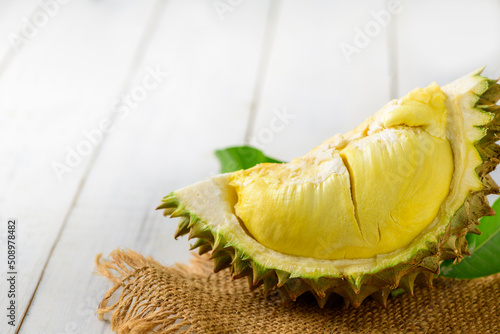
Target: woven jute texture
[{"x": 150, "y": 298}]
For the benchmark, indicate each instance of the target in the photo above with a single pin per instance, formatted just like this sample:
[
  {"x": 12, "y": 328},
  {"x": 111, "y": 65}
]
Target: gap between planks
[{"x": 267, "y": 45}]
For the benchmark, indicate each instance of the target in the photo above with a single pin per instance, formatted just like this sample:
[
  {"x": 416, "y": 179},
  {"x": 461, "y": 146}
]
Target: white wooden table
[{"x": 178, "y": 79}]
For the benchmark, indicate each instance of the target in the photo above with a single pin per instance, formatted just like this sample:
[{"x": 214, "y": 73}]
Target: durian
[{"x": 363, "y": 213}]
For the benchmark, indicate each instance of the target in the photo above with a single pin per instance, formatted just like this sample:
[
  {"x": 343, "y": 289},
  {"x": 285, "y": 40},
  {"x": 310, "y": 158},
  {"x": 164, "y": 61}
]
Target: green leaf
[
  {"x": 241, "y": 157},
  {"x": 485, "y": 249},
  {"x": 398, "y": 292}
]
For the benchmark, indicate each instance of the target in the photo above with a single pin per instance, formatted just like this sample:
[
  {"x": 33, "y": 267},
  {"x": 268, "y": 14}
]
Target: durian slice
[{"x": 363, "y": 213}]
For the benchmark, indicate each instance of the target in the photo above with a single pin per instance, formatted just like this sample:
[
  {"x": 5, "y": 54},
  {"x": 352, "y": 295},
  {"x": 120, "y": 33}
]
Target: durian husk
[{"x": 451, "y": 245}]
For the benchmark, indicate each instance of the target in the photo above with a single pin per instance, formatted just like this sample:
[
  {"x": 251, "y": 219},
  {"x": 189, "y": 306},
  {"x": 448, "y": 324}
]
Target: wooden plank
[
  {"x": 458, "y": 37},
  {"x": 165, "y": 143},
  {"x": 13, "y": 18},
  {"x": 323, "y": 72},
  {"x": 65, "y": 81}
]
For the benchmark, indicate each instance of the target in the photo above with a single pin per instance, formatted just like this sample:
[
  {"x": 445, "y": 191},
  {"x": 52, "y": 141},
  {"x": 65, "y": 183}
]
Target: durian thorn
[
  {"x": 382, "y": 296},
  {"x": 168, "y": 211},
  {"x": 425, "y": 278},
  {"x": 182, "y": 227},
  {"x": 450, "y": 244},
  {"x": 356, "y": 301},
  {"x": 198, "y": 243},
  {"x": 204, "y": 249},
  {"x": 240, "y": 269},
  {"x": 219, "y": 244},
  {"x": 483, "y": 103},
  {"x": 431, "y": 263},
  {"x": 355, "y": 283},
  {"x": 283, "y": 277},
  {"x": 198, "y": 230},
  {"x": 168, "y": 201},
  {"x": 296, "y": 287},
  {"x": 323, "y": 299},
  {"x": 163, "y": 205},
  {"x": 355, "y": 298},
  {"x": 259, "y": 272},
  {"x": 458, "y": 257},
  {"x": 221, "y": 263},
  {"x": 237, "y": 256},
  {"x": 179, "y": 212},
  {"x": 193, "y": 221},
  {"x": 432, "y": 246},
  {"x": 317, "y": 291},
  {"x": 320, "y": 284},
  {"x": 492, "y": 94},
  {"x": 474, "y": 229},
  {"x": 269, "y": 283},
  {"x": 251, "y": 286},
  {"x": 219, "y": 253},
  {"x": 388, "y": 277},
  {"x": 407, "y": 282},
  {"x": 255, "y": 286}
]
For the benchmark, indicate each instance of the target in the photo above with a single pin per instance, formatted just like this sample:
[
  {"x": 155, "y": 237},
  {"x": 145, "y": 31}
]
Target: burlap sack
[{"x": 151, "y": 298}]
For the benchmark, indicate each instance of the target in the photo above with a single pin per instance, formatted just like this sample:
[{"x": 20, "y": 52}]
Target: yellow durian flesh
[
  {"x": 469, "y": 123},
  {"x": 370, "y": 192}
]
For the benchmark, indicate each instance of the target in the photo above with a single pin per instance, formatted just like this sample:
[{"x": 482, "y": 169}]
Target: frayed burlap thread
[{"x": 151, "y": 298}]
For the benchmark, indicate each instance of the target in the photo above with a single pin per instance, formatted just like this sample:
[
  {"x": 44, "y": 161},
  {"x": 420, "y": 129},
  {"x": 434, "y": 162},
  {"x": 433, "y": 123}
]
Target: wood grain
[
  {"x": 64, "y": 81},
  {"x": 166, "y": 142}
]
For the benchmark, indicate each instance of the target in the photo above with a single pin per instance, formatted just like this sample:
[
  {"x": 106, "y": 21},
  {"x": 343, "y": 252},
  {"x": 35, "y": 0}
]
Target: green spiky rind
[
  {"x": 451, "y": 245},
  {"x": 224, "y": 255}
]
